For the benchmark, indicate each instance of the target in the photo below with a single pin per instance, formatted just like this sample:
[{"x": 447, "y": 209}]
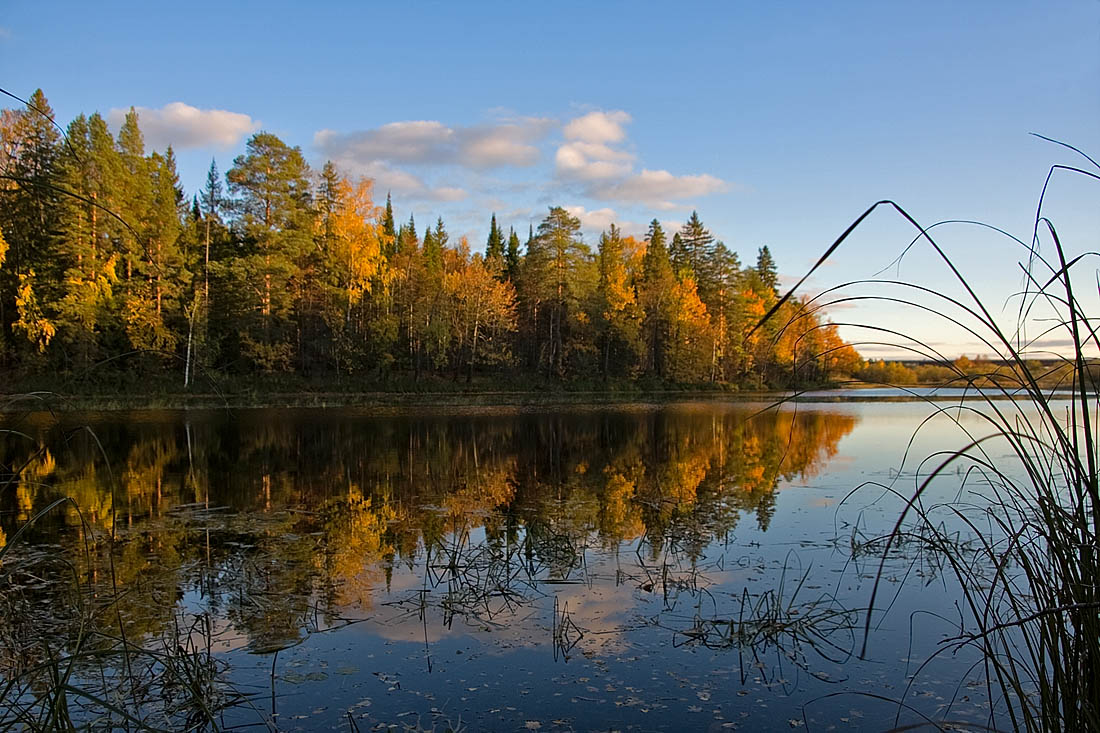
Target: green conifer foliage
[
  {"x": 765, "y": 268},
  {"x": 655, "y": 290},
  {"x": 274, "y": 222},
  {"x": 31, "y": 208},
  {"x": 494, "y": 246},
  {"x": 512, "y": 256}
]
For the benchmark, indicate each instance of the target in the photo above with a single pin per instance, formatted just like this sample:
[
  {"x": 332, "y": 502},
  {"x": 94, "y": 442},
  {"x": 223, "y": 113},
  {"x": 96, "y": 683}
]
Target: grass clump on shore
[{"x": 1029, "y": 500}]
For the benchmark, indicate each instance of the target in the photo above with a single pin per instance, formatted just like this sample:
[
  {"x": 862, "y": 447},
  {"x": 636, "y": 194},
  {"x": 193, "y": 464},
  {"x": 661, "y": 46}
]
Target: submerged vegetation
[
  {"x": 110, "y": 270},
  {"x": 206, "y": 535}
]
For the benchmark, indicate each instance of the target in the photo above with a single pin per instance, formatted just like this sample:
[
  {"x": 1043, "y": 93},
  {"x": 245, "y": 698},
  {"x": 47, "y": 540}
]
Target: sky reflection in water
[{"x": 690, "y": 566}]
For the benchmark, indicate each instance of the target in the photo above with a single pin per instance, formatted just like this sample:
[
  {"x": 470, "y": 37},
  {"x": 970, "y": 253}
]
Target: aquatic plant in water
[{"x": 1028, "y": 501}]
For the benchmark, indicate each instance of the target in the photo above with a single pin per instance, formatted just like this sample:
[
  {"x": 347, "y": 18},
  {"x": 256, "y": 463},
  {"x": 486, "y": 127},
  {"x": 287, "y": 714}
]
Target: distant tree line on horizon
[{"x": 280, "y": 269}]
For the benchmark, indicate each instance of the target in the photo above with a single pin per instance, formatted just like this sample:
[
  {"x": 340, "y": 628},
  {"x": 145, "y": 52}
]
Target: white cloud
[
  {"x": 598, "y": 127},
  {"x": 592, "y": 153},
  {"x": 385, "y": 176},
  {"x": 412, "y": 158},
  {"x": 587, "y": 161},
  {"x": 446, "y": 193},
  {"x": 503, "y": 144},
  {"x": 428, "y": 142},
  {"x": 660, "y": 188},
  {"x": 414, "y": 141},
  {"x": 388, "y": 178},
  {"x": 588, "y": 154},
  {"x": 376, "y": 152},
  {"x": 183, "y": 126},
  {"x": 599, "y": 219}
]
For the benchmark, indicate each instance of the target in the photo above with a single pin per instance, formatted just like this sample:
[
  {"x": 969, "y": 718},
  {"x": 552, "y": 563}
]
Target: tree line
[{"x": 279, "y": 269}]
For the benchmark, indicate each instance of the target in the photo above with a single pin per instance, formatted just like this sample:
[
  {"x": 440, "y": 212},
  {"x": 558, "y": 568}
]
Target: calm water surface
[{"x": 675, "y": 567}]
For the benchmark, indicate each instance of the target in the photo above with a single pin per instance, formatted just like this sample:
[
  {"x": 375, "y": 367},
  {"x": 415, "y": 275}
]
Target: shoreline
[
  {"x": 59, "y": 402},
  {"x": 48, "y": 401}
]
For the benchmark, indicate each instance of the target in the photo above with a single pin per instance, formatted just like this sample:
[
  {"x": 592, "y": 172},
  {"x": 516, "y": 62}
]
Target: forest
[{"x": 276, "y": 270}]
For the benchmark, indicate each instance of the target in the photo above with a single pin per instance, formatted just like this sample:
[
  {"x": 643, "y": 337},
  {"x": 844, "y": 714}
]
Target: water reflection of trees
[{"x": 282, "y": 522}]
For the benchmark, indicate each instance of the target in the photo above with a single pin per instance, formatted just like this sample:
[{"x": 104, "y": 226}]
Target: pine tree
[
  {"x": 274, "y": 226},
  {"x": 553, "y": 286}
]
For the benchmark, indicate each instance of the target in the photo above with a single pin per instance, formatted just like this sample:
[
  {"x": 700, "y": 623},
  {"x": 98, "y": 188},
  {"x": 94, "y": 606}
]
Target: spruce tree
[
  {"x": 678, "y": 256},
  {"x": 765, "y": 268},
  {"x": 215, "y": 250},
  {"x": 388, "y": 229},
  {"x": 432, "y": 248},
  {"x": 163, "y": 267},
  {"x": 213, "y": 196},
  {"x": 29, "y": 210},
  {"x": 656, "y": 289},
  {"x": 407, "y": 241},
  {"x": 694, "y": 252},
  {"x": 494, "y": 246},
  {"x": 133, "y": 197},
  {"x": 441, "y": 236},
  {"x": 511, "y": 257},
  {"x": 212, "y": 204},
  {"x": 85, "y": 256},
  {"x": 328, "y": 195}
]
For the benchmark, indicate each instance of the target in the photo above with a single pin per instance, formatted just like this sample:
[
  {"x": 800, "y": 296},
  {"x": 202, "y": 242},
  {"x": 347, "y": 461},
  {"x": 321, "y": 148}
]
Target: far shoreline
[{"x": 53, "y": 401}]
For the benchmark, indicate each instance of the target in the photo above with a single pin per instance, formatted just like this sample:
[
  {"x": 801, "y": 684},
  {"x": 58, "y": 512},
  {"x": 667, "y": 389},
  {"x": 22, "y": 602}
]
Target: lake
[{"x": 688, "y": 566}]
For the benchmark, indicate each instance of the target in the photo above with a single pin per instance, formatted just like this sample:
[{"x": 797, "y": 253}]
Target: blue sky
[{"x": 779, "y": 122}]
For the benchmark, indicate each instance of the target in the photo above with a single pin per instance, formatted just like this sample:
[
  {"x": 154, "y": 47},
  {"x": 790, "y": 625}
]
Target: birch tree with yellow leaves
[{"x": 355, "y": 263}]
